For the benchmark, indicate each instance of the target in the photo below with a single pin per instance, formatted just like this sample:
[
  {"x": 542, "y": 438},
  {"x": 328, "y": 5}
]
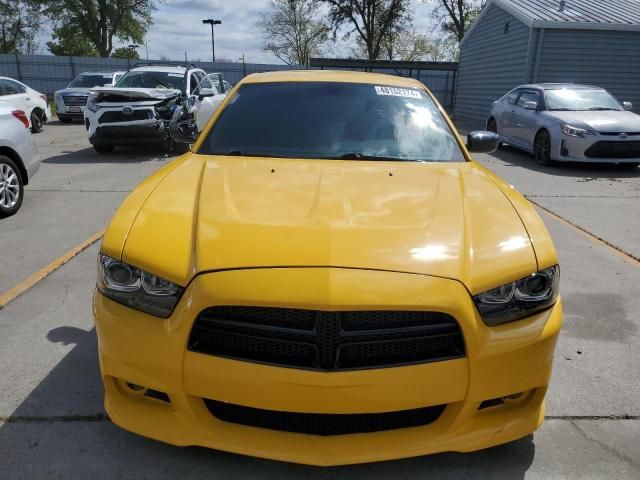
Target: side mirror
[
  {"x": 184, "y": 132},
  {"x": 627, "y": 105},
  {"x": 530, "y": 105},
  {"x": 206, "y": 92},
  {"x": 482, "y": 142}
]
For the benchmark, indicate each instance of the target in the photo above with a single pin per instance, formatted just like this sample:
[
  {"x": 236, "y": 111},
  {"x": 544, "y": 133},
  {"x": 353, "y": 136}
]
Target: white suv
[
  {"x": 139, "y": 108},
  {"x": 70, "y": 101}
]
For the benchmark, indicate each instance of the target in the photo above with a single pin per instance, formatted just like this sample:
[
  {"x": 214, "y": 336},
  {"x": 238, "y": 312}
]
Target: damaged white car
[{"x": 139, "y": 108}]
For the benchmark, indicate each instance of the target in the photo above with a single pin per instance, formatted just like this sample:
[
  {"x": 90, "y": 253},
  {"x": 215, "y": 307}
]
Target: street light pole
[{"x": 212, "y": 22}]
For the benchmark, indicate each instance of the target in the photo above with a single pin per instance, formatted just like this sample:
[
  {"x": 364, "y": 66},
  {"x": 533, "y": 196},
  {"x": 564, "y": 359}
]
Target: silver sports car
[{"x": 566, "y": 122}]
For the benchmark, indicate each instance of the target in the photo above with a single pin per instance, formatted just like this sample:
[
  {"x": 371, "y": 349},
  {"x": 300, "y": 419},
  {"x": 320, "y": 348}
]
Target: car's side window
[
  {"x": 7, "y": 87},
  {"x": 513, "y": 96},
  {"x": 528, "y": 96}
]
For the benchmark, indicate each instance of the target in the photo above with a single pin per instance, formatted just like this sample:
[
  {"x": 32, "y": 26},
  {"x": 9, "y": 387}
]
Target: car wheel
[
  {"x": 37, "y": 123},
  {"x": 64, "y": 119},
  {"x": 11, "y": 187},
  {"x": 103, "y": 148},
  {"x": 492, "y": 126},
  {"x": 542, "y": 149}
]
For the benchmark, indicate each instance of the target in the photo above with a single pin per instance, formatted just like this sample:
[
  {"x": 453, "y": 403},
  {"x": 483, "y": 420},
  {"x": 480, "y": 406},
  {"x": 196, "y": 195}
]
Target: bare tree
[
  {"x": 457, "y": 16},
  {"x": 292, "y": 32},
  {"x": 19, "y": 24},
  {"x": 371, "y": 20}
]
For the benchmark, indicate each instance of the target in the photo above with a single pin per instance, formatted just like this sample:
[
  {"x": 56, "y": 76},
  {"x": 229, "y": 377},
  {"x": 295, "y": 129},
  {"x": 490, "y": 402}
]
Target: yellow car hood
[{"x": 442, "y": 219}]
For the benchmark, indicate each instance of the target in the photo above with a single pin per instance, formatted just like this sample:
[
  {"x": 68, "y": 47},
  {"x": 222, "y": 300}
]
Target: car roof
[
  {"x": 558, "y": 86},
  {"x": 331, "y": 76},
  {"x": 159, "y": 68},
  {"x": 96, "y": 73}
]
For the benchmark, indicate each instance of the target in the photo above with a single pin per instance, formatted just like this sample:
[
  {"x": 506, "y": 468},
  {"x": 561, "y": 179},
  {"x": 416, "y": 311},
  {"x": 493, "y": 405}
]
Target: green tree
[
  {"x": 69, "y": 40},
  {"x": 102, "y": 21},
  {"x": 371, "y": 20},
  {"x": 125, "y": 52},
  {"x": 292, "y": 31},
  {"x": 19, "y": 25}
]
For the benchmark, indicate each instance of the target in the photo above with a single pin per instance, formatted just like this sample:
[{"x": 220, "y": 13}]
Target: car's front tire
[
  {"x": 492, "y": 126},
  {"x": 11, "y": 187},
  {"x": 37, "y": 121},
  {"x": 542, "y": 149},
  {"x": 103, "y": 149}
]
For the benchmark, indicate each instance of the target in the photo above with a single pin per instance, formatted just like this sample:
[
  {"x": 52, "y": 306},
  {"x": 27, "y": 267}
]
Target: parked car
[
  {"x": 205, "y": 99},
  {"x": 328, "y": 278},
  {"x": 567, "y": 122},
  {"x": 19, "y": 157},
  {"x": 25, "y": 98},
  {"x": 70, "y": 101},
  {"x": 139, "y": 108}
]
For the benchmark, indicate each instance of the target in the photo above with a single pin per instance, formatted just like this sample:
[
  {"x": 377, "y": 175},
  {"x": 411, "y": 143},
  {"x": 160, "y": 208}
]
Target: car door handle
[{"x": 28, "y": 98}]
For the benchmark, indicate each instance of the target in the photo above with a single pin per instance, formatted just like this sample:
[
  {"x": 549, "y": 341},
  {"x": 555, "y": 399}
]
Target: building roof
[{"x": 578, "y": 14}]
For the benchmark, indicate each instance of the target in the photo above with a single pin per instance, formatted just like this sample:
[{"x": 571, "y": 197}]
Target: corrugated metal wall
[
  {"x": 609, "y": 59},
  {"x": 491, "y": 63},
  {"x": 48, "y": 73}
]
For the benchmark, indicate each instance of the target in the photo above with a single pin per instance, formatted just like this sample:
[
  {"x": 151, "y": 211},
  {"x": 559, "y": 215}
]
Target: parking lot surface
[{"x": 52, "y": 423}]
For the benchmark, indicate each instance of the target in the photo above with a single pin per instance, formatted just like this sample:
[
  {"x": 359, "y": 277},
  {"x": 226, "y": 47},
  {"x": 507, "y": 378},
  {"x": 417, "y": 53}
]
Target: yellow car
[{"x": 328, "y": 279}]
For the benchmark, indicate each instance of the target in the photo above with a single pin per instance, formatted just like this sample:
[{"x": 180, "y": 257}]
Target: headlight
[
  {"x": 91, "y": 103},
  {"x": 519, "y": 299},
  {"x": 575, "y": 131},
  {"x": 136, "y": 288}
]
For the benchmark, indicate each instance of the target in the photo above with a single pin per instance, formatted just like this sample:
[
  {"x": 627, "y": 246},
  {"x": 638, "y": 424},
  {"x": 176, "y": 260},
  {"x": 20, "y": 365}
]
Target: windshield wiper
[
  {"x": 602, "y": 109},
  {"x": 360, "y": 156},
  {"x": 242, "y": 153}
]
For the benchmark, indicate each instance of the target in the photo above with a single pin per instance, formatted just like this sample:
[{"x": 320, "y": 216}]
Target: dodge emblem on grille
[
  {"x": 623, "y": 136},
  {"x": 127, "y": 110}
]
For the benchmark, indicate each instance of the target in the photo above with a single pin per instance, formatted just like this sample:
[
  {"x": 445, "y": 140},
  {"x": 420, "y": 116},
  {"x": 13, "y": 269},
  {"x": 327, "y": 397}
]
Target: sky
[{"x": 178, "y": 28}]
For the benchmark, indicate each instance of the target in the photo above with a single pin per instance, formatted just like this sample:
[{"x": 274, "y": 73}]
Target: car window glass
[
  {"x": 193, "y": 82},
  {"x": 528, "y": 97},
  {"x": 581, "y": 99},
  {"x": 151, "y": 79},
  {"x": 90, "y": 80},
  {"x": 227, "y": 86},
  {"x": 10, "y": 88},
  {"x": 334, "y": 121},
  {"x": 513, "y": 96}
]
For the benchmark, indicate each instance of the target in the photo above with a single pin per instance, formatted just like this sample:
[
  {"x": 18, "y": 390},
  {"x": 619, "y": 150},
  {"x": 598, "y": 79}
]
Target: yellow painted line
[
  {"x": 590, "y": 236},
  {"x": 33, "y": 279}
]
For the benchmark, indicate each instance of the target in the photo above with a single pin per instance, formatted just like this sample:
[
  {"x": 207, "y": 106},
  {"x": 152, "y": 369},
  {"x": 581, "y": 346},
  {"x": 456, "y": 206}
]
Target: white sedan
[
  {"x": 19, "y": 158},
  {"x": 25, "y": 98}
]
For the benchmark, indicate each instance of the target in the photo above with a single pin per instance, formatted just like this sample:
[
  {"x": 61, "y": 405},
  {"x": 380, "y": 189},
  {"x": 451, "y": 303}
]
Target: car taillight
[
  {"x": 20, "y": 115},
  {"x": 43, "y": 97}
]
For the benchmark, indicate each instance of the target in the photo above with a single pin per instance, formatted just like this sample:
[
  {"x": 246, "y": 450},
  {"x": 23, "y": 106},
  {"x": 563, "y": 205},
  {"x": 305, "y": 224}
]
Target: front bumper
[
  {"x": 613, "y": 149},
  {"x": 151, "y": 132},
  {"x": 151, "y": 352}
]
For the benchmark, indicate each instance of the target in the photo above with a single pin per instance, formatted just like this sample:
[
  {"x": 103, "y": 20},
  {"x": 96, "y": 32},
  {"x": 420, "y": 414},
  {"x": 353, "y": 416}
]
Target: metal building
[{"x": 513, "y": 42}]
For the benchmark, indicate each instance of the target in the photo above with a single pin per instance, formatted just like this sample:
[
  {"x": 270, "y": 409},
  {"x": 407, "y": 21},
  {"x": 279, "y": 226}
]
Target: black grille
[
  {"x": 326, "y": 341},
  {"x": 322, "y": 423},
  {"x": 115, "y": 116},
  {"x": 614, "y": 150},
  {"x": 74, "y": 100}
]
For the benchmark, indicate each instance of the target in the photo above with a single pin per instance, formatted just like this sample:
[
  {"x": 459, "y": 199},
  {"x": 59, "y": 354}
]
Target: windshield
[
  {"x": 580, "y": 99},
  {"x": 333, "y": 121},
  {"x": 90, "y": 80},
  {"x": 148, "y": 79}
]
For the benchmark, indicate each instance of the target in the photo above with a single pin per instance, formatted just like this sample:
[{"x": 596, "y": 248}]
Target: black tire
[
  {"x": 492, "y": 126},
  {"x": 629, "y": 165},
  {"x": 542, "y": 149},
  {"x": 64, "y": 119},
  {"x": 103, "y": 149},
  {"x": 10, "y": 180},
  {"x": 37, "y": 121}
]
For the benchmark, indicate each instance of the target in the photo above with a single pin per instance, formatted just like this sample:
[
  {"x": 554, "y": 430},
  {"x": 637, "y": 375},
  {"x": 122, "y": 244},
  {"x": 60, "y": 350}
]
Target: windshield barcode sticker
[{"x": 397, "y": 92}]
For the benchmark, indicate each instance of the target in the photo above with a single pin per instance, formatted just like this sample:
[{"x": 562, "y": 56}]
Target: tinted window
[
  {"x": 7, "y": 87},
  {"x": 580, "y": 99},
  {"x": 148, "y": 79},
  {"x": 528, "y": 97},
  {"x": 513, "y": 96},
  {"x": 332, "y": 120},
  {"x": 90, "y": 80}
]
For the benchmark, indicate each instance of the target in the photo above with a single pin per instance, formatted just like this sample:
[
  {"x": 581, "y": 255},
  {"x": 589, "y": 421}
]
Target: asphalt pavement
[{"x": 52, "y": 423}]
